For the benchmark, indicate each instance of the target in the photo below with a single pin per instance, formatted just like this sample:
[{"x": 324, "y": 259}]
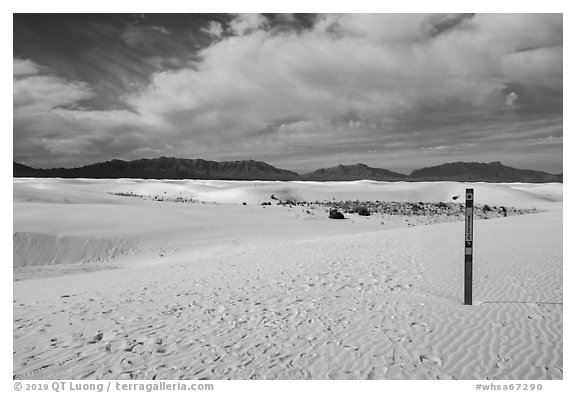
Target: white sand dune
[
  {"x": 230, "y": 291},
  {"x": 236, "y": 192}
]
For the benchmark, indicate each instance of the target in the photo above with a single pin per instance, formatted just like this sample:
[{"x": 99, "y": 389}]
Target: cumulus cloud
[
  {"x": 351, "y": 77},
  {"x": 51, "y": 124},
  {"x": 247, "y": 23},
  {"x": 511, "y": 98},
  {"x": 369, "y": 66},
  {"x": 24, "y": 67},
  {"x": 39, "y": 93},
  {"x": 35, "y": 93},
  {"x": 213, "y": 29}
]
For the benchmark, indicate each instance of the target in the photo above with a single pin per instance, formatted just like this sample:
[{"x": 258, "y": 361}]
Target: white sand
[{"x": 231, "y": 291}]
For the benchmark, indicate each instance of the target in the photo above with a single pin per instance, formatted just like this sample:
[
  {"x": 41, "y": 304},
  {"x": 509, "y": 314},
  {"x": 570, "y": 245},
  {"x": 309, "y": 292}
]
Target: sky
[{"x": 298, "y": 91}]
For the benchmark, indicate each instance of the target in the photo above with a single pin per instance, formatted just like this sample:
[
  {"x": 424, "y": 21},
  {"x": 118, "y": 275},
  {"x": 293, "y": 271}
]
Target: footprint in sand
[
  {"x": 554, "y": 372},
  {"x": 502, "y": 362},
  {"x": 431, "y": 359},
  {"x": 422, "y": 325}
]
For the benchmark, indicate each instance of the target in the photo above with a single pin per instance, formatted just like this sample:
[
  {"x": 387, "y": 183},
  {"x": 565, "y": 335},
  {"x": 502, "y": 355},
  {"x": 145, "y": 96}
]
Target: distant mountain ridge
[
  {"x": 165, "y": 168},
  {"x": 353, "y": 172},
  {"x": 493, "y": 172},
  {"x": 181, "y": 168}
]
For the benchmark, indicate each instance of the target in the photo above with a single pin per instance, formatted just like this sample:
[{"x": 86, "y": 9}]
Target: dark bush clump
[
  {"x": 486, "y": 209},
  {"x": 362, "y": 211},
  {"x": 335, "y": 214}
]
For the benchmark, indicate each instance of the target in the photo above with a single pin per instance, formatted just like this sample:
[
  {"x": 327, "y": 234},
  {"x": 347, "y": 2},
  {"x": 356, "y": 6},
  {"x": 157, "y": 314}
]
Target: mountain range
[{"x": 181, "y": 168}]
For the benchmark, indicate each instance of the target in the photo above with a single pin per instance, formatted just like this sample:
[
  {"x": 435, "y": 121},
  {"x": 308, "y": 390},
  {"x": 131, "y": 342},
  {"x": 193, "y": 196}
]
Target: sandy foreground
[{"x": 119, "y": 287}]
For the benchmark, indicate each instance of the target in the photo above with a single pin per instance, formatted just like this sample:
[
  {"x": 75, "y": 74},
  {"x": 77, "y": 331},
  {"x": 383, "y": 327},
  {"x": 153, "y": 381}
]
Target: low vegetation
[
  {"x": 335, "y": 214},
  {"x": 336, "y": 209}
]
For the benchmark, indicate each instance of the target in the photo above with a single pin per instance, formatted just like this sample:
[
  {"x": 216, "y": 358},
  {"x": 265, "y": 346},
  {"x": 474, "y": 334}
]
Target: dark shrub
[
  {"x": 335, "y": 214},
  {"x": 362, "y": 211},
  {"x": 486, "y": 209}
]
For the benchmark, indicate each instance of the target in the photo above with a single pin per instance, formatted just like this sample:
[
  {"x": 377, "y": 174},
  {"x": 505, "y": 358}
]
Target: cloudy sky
[{"x": 397, "y": 91}]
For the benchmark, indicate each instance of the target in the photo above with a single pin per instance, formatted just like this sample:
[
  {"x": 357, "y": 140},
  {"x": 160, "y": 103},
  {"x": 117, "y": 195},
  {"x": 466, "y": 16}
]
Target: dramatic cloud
[
  {"x": 347, "y": 84},
  {"x": 50, "y": 121},
  {"x": 36, "y": 94}
]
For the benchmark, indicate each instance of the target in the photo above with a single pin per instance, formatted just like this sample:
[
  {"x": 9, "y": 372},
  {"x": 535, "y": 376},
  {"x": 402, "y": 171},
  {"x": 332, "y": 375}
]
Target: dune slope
[{"x": 287, "y": 296}]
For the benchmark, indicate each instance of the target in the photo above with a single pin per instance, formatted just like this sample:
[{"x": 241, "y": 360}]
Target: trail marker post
[{"x": 468, "y": 224}]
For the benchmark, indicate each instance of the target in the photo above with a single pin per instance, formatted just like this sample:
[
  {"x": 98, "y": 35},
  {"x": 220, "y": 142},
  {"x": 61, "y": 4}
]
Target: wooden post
[{"x": 468, "y": 225}]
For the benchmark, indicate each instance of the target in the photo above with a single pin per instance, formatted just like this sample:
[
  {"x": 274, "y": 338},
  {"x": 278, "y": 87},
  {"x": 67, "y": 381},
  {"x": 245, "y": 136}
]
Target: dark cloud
[
  {"x": 444, "y": 23},
  {"x": 115, "y": 53}
]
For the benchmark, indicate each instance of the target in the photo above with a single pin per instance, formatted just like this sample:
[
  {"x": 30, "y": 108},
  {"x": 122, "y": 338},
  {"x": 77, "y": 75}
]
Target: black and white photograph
[{"x": 287, "y": 196}]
